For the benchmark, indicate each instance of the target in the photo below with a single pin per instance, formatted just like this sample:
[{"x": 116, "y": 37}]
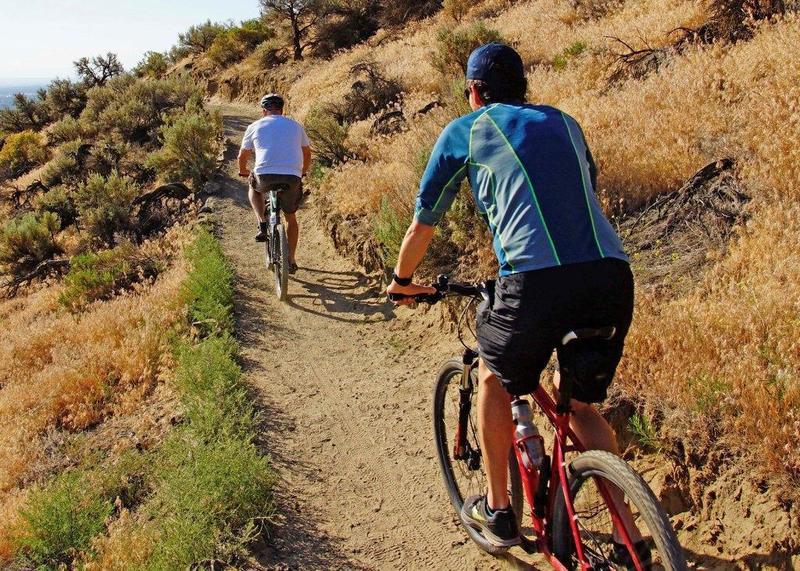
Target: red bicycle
[{"x": 572, "y": 494}]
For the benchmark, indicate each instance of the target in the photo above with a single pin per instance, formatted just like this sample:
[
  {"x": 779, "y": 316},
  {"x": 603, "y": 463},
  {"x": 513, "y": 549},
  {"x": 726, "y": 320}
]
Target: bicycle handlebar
[{"x": 444, "y": 287}]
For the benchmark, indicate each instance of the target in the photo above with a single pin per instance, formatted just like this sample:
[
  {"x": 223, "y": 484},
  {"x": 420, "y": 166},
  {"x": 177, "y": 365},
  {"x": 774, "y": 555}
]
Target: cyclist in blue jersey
[{"x": 562, "y": 266}]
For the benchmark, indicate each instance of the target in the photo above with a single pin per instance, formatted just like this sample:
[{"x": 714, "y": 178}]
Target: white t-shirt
[{"x": 276, "y": 141}]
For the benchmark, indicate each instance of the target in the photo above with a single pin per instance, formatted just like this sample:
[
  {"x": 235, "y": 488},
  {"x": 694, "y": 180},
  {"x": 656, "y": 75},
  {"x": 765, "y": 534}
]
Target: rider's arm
[
  {"x": 246, "y": 151},
  {"x": 306, "y": 159},
  {"x": 244, "y": 156},
  {"x": 446, "y": 170}
]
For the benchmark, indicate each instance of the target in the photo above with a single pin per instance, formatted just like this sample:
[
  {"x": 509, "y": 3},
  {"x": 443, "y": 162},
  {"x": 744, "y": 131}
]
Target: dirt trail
[{"x": 347, "y": 406}]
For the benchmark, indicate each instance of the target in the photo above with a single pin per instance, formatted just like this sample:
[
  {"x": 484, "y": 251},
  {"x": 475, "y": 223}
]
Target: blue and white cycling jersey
[{"x": 533, "y": 180}]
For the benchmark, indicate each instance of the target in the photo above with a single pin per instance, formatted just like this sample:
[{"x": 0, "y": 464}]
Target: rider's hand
[{"x": 410, "y": 289}]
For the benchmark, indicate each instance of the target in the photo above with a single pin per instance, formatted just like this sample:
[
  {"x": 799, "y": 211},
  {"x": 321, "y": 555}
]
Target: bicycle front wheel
[
  {"x": 280, "y": 261},
  {"x": 587, "y": 473},
  {"x": 466, "y": 477}
]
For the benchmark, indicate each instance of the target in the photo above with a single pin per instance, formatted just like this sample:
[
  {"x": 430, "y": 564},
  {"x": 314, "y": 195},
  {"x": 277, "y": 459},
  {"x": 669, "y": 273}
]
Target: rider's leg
[
  {"x": 495, "y": 430},
  {"x": 596, "y": 434},
  {"x": 293, "y": 233},
  {"x": 258, "y": 204}
]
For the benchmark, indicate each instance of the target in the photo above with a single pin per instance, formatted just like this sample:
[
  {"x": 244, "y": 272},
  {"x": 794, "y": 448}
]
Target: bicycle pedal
[{"x": 528, "y": 545}]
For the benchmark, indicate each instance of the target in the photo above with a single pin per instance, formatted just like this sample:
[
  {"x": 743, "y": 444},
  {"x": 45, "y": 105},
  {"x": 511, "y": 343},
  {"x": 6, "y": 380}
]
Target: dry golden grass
[{"x": 69, "y": 372}]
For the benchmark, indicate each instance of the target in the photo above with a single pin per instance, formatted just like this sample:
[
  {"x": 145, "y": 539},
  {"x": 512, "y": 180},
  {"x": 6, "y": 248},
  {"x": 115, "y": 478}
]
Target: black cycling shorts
[
  {"x": 288, "y": 200},
  {"x": 530, "y": 312}
]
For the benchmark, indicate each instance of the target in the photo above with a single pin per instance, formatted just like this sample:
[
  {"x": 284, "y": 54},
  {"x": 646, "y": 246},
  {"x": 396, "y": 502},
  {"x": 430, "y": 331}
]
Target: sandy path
[{"x": 347, "y": 406}]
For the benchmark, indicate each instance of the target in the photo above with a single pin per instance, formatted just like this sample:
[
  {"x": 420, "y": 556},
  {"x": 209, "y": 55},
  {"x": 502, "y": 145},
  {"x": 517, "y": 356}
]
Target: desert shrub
[
  {"x": 153, "y": 64},
  {"x": 65, "y": 98},
  {"x": 136, "y": 109},
  {"x": 21, "y": 152},
  {"x": 60, "y": 520},
  {"x": 104, "y": 205},
  {"x": 270, "y": 53},
  {"x": 596, "y": 9},
  {"x": 327, "y": 136},
  {"x": 28, "y": 240},
  {"x": 457, "y": 9},
  {"x": 225, "y": 50},
  {"x": 93, "y": 276},
  {"x": 454, "y": 46},
  {"x": 398, "y": 12},
  {"x": 59, "y": 201},
  {"x": 346, "y": 23},
  {"x": 390, "y": 228},
  {"x": 25, "y": 114},
  {"x": 233, "y": 44},
  {"x": 65, "y": 130},
  {"x": 67, "y": 165},
  {"x": 198, "y": 39},
  {"x": 189, "y": 148},
  {"x": 371, "y": 91}
]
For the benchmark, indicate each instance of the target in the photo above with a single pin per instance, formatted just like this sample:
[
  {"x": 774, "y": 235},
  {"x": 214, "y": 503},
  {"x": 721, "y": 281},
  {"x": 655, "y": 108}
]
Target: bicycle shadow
[{"x": 340, "y": 294}]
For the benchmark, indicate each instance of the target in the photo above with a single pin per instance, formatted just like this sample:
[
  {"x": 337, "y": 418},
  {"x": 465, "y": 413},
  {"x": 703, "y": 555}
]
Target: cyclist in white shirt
[{"x": 282, "y": 155}]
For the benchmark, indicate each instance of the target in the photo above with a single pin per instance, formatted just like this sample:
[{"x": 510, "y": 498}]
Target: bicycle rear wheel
[
  {"x": 280, "y": 261},
  {"x": 594, "y": 519},
  {"x": 466, "y": 477}
]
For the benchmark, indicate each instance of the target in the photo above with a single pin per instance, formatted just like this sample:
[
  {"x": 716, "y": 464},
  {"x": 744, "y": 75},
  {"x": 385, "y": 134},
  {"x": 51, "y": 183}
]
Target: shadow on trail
[
  {"x": 236, "y": 125},
  {"x": 336, "y": 293}
]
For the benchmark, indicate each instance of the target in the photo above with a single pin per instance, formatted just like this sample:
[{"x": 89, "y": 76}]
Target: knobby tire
[{"x": 447, "y": 380}]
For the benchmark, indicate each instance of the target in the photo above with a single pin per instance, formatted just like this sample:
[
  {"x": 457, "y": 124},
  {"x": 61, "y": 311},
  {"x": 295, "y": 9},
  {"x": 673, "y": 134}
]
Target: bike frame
[
  {"x": 541, "y": 486},
  {"x": 273, "y": 216}
]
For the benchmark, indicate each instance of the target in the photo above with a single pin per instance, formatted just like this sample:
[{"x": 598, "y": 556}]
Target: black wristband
[{"x": 401, "y": 281}]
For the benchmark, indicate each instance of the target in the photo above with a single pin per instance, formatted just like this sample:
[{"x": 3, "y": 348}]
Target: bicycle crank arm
[{"x": 529, "y": 546}]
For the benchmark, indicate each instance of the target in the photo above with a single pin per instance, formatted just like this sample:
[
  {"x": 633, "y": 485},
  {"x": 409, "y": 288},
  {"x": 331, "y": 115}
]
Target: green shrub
[
  {"x": 93, "y": 276},
  {"x": 21, "y": 152},
  {"x": 27, "y": 241},
  {"x": 104, "y": 205},
  {"x": 26, "y": 114},
  {"x": 57, "y": 200},
  {"x": 327, "y": 136},
  {"x": 371, "y": 91},
  {"x": 64, "y": 131},
  {"x": 65, "y": 98},
  {"x": 60, "y": 521},
  {"x": 136, "y": 110},
  {"x": 561, "y": 60},
  {"x": 66, "y": 167},
  {"x": 644, "y": 432},
  {"x": 457, "y": 9},
  {"x": 270, "y": 53},
  {"x": 153, "y": 65},
  {"x": 199, "y": 38},
  {"x": 226, "y": 50},
  {"x": 390, "y": 228},
  {"x": 189, "y": 150},
  {"x": 454, "y": 46}
]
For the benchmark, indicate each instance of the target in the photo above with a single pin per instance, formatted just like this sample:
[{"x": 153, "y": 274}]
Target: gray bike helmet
[{"x": 272, "y": 101}]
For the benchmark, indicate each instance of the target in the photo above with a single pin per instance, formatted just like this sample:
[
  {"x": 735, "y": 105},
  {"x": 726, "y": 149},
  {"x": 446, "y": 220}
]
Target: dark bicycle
[
  {"x": 573, "y": 503},
  {"x": 276, "y": 246}
]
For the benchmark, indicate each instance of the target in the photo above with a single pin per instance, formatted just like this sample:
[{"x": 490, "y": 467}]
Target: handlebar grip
[{"x": 419, "y": 298}]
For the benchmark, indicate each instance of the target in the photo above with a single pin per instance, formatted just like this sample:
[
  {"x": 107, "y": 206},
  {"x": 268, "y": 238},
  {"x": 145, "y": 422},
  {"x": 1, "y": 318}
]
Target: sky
[{"x": 41, "y": 38}]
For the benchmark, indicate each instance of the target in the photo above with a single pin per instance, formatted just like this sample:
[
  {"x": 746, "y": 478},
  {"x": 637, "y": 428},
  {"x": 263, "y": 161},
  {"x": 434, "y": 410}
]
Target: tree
[
  {"x": 301, "y": 14},
  {"x": 65, "y": 97},
  {"x": 27, "y": 113},
  {"x": 98, "y": 70}
]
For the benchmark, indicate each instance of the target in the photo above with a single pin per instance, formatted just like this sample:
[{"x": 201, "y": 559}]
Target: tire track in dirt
[{"x": 346, "y": 403}]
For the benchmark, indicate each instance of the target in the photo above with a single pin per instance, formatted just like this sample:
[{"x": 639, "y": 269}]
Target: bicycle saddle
[
  {"x": 601, "y": 333},
  {"x": 279, "y": 187}
]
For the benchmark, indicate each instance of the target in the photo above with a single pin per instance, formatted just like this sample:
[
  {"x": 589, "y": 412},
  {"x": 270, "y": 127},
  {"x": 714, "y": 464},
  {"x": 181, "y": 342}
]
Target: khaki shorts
[{"x": 288, "y": 200}]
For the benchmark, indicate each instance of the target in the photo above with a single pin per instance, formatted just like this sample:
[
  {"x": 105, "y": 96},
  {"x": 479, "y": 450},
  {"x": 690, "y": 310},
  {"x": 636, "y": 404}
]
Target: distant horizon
[{"x": 68, "y": 30}]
